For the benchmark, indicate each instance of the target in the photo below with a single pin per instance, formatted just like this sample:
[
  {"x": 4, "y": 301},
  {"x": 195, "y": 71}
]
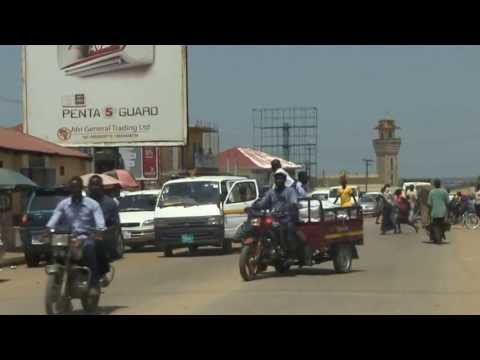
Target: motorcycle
[
  {"x": 67, "y": 276},
  {"x": 465, "y": 215},
  {"x": 264, "y": 243}
]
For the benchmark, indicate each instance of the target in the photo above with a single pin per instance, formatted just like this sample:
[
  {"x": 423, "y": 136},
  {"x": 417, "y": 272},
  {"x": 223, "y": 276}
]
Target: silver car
[{"x": 369, "y": 205}]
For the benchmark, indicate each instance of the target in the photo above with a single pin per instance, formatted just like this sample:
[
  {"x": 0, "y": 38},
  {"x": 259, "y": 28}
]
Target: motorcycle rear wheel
[
  {"x": 90, "y": 303},
  {"x": 436, "y": 234},
  {"x": 55, "y": 303}
]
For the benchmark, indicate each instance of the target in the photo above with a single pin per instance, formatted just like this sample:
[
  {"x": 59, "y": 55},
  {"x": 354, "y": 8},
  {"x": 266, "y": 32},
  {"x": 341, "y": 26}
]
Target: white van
[
  {"x": 417, "y": 185},
  {"x": 202, "y": 211}
]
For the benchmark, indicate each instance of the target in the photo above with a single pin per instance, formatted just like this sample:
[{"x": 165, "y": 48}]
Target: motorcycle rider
[
  {"x": 84, "y": 217},
  {"x": 112, "y": 220},
  {"x": 283, "y": 199},
  {"x": 438, "y": 205},
  {"x": 276, "y": 167},
  {"x": 459, "y": 205}
]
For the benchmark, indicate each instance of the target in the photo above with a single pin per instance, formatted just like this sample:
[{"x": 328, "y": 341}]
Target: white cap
[{"x": 281, "y": 171}]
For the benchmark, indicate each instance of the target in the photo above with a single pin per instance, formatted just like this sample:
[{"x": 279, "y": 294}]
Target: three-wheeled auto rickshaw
[{"x": 327, "y": 234}]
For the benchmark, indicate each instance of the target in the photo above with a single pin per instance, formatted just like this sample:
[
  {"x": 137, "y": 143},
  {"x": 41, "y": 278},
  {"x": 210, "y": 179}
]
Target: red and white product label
[{"x": 101, "y": 49}]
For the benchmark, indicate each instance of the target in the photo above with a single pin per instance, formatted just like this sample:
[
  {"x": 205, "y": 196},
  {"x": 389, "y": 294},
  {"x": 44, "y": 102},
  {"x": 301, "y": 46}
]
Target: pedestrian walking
[
  {"x": 438, "y": 205},
  {"x": 387, "y": 223},
  {"x": 379, "y": 200},
  {"x": 403, "y": 215},
  {"x": 412, "y": 201}
]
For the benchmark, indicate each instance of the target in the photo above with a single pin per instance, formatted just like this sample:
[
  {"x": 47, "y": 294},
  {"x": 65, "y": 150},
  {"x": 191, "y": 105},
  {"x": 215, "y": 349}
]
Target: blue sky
[{"x": 432, "y": 92}]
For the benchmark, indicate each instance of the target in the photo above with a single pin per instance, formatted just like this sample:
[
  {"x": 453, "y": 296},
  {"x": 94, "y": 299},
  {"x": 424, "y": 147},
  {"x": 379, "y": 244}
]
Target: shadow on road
[
  {"x": 143, "y": 250},
  {"x": 102, "y": 310},
  {"x": 432, "y": 243},
  {"x": 185, "y": 253},
  {"x": 4, "y": 280},
  {"x": 300, "y": 272},
  {"x": 313, "y": 271}
]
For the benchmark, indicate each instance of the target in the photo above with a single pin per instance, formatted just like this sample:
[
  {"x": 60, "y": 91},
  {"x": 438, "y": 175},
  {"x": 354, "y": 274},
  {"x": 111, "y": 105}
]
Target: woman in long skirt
[{"x": 387, "y": 212}]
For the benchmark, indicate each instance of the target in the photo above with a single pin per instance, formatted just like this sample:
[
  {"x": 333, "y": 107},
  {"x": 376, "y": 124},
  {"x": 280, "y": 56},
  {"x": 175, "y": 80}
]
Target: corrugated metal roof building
[{"x": 46, "y": 163}]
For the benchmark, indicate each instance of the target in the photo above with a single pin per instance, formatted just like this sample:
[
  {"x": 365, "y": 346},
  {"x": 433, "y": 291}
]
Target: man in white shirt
[{"x": 412, "y": 200}]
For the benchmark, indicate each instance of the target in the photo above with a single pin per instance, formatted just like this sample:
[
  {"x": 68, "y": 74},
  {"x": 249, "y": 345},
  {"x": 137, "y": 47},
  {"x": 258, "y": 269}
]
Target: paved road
[{"x": 396, "y": 274}]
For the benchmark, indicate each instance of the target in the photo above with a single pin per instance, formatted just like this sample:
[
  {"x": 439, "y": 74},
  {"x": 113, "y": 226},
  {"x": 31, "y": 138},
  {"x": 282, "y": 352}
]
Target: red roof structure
[
  {"x": 18, "y": 127},
  {"x": 247, "y": 158},
  {"x": 14, "y": 140}
]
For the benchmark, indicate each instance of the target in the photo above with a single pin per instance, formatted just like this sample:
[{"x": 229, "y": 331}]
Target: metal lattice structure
[{"x": 290, "y": 133}]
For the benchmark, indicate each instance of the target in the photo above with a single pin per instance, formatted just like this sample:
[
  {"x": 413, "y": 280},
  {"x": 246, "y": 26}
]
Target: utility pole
[
  {"x": 367, "y": 164},
  {"x": 309, "y": 149}
]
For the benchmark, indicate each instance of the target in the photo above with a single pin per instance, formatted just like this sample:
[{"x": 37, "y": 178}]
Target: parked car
[
  {"x": 202, "y": 211},
  {"x": 137, "y": 211},
  {"x": 39, "y": 209},
  {"x": 369, "y": 204},
  {"x": 323, "y": 196}
]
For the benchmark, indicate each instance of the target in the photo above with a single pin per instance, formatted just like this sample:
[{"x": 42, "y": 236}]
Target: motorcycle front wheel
[
  {"x": 471, "y": 221},
  {"x": 248, "y": 262},
  {"x": 55, "y": 303}
]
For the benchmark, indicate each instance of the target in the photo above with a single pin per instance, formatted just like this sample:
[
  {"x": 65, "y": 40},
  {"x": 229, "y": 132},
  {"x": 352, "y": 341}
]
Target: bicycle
[{"x": 469, "y": 219}]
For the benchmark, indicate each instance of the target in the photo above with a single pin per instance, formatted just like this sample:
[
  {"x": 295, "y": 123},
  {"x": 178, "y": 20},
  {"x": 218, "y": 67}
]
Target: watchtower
[{"x": 387, "y": 147}]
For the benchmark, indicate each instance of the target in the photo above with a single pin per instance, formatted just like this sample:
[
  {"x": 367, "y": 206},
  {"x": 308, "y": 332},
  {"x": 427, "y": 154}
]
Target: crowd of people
[{"x": 397, "y": 208}]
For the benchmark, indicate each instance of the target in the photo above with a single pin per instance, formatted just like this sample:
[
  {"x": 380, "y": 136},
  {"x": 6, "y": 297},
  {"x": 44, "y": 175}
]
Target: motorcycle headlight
[
  {"x": 148, "y": 223},
  {"x": 256, "y": 222},
  {"x": 215, "y": 220}
]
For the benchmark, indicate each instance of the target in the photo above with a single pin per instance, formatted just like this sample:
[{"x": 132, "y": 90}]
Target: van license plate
[{"x": 187, "y": 238}]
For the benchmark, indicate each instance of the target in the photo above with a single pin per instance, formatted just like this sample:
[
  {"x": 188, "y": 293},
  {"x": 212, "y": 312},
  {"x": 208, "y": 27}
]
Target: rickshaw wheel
[{"x": 342, "y": 261}]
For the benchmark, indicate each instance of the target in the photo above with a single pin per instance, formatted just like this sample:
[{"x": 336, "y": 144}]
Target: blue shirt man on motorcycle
[
  {"x": 84, "y": 217},
  {"x": 282, "y": 200}
]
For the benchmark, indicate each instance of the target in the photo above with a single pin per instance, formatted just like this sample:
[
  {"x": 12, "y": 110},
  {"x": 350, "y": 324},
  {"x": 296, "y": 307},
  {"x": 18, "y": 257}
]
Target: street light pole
[{"x": 367, "y": 164}]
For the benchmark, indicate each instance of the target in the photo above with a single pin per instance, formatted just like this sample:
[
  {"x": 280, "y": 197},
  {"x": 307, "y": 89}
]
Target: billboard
[
  {"x": 142, "y": 162},
  {"x": 106, "y": 95}
]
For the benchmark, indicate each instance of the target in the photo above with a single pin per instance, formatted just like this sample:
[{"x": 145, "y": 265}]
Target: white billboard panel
[{"x": 106, "y": 95}]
